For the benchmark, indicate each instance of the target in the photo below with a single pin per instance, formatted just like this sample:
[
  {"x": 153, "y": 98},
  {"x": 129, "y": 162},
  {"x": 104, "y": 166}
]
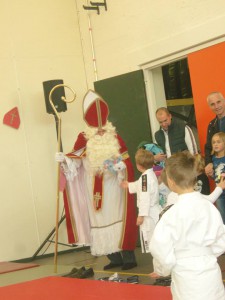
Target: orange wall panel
[{"x": 207, "y": 72}]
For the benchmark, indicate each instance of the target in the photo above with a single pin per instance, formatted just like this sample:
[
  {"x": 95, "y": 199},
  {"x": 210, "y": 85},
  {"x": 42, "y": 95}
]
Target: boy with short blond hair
[
  {"x": 189, "y": 237},
  {"x": 146, "y": 188},
  {"x": 144, "y": 158}
]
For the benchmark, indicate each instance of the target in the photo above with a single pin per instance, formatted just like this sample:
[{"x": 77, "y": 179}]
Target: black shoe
[
  {"x": 73, "y": 271},
  {"x": 78, "y": 273},
  {"x": 129, "y": 266},
  {"x": 104, "y": 279},
  {"x": 163, "y": 281},
  {"x": 84, "y": 274},
  {"x": 133, "y": 279},
  {"x": 117, "y": 280},
  {"x": 87, "y": 273},
  {"x": 111, "y": 265}
]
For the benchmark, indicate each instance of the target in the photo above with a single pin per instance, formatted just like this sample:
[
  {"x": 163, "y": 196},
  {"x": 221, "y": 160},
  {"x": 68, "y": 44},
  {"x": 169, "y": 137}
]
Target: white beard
[{"x": 100, "y": 148}]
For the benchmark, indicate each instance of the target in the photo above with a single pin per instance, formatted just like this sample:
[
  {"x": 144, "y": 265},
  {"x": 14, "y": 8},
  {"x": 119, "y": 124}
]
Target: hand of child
[
  {"x": 160, "y": 157},
  {"x": 154, "y": 275},
  {"x": 124, "y": 184},
  {"x": 221, "y": 184},
  {"x": 140, "y": 220},
  {"x": 209, "y": 170}
]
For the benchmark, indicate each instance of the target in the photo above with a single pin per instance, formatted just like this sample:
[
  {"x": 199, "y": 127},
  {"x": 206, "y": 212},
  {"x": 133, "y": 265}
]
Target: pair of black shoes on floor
[
  {"x": 126, "y": 266},
  {"x": 80, "y": 273}
]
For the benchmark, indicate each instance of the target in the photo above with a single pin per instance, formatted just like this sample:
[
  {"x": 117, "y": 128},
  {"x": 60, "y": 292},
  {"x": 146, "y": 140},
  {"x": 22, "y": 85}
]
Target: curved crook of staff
[{"x": 58, "y": 167}]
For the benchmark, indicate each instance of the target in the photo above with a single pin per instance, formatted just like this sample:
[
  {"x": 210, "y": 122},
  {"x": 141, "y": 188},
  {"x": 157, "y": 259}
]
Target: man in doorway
[
  {"x": 216, "y": 103},
  {"x": 98, "y": 211},
  {"x": 173, "y": 136}
]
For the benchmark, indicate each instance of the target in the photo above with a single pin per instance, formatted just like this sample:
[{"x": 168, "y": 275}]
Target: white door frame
[{"x": 153, "y": 77}]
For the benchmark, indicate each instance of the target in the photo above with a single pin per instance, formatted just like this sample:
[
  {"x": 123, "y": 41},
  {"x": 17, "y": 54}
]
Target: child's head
[
  {"x": 181, "y": 169},
  {"x": 218, "y": 143},
  {"x": 144, "y": 159},
  {"x": 200, "y": 163}
]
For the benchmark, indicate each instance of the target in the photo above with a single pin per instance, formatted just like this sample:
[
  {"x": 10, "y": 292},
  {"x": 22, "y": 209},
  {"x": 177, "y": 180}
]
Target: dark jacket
[
  {"x": 176, "y": 134},
  {"x": 213, "y": 128}
]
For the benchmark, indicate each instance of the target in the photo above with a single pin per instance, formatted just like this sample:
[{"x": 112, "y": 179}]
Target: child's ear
[
  {"x": 171, "y": 183},
  {"x": 139, "y": 167}
]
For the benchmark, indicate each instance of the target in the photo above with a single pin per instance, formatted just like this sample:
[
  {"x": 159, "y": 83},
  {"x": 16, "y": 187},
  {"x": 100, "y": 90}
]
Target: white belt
[{"x": 192, "y": 252}]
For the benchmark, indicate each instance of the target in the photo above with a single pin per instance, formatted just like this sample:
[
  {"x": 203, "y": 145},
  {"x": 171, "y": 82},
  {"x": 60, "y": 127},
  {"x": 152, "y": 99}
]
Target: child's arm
[
  {"x": 209, "y": 170},
  {"x": 162, "y": 244},
  {"x": 221, "y": 184},
  {"x": 154, "y": 275},
  {"x": 217, "y": 191},
  {"x": 133, "y": 187},
  {"x": 159, "y": 270},
  {"x": 148, "y": 194},
  {"x": 124, "y": 184},
  {"x": 214, "y": 195},
  {"x": 140, "y": 220}
]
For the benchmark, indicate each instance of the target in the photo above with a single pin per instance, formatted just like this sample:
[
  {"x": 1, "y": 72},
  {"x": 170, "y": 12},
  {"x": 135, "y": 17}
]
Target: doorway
[
  {"x": 172, "y": 89},
  {"x": 206, "y": 68}
]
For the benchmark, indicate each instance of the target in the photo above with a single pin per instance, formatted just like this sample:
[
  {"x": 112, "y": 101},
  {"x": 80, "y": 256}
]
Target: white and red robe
[{"x": 106, "y": 221}]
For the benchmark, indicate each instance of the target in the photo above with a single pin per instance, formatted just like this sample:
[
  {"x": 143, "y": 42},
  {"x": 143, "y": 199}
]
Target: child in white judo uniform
[
  {"x": 189, "y": 237},
  {"x": 147, "y": 190}
]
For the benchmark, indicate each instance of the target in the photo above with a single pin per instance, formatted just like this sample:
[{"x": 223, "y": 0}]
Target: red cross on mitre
[{"x": 12, "y": 118}]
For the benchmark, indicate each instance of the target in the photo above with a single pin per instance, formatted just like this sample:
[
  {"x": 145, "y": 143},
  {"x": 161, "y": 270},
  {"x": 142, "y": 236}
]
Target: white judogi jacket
[
  {"x": 147, "y": 190},
  {"x": 186, "y": 243}
]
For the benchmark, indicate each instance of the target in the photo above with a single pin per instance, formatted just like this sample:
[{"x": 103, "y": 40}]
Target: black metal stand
[
  {"x": 48, "y": 240},
  {"x": 51, "y": 241}
]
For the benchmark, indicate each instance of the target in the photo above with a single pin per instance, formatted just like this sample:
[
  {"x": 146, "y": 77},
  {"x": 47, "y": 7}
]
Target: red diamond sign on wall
[{"x": 12, "y": 118}]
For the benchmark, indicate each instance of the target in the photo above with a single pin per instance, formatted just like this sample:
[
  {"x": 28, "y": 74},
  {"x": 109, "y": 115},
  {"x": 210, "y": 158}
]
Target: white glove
[
  {"x": 120, "y": 166},
  {"x": 59, "y": 157},
  {"x": 120, "y": 176}
]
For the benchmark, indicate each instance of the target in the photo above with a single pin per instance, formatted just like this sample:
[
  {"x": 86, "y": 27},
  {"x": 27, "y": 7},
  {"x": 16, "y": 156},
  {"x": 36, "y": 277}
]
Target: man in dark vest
[{"x": 173, "y": 136}]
